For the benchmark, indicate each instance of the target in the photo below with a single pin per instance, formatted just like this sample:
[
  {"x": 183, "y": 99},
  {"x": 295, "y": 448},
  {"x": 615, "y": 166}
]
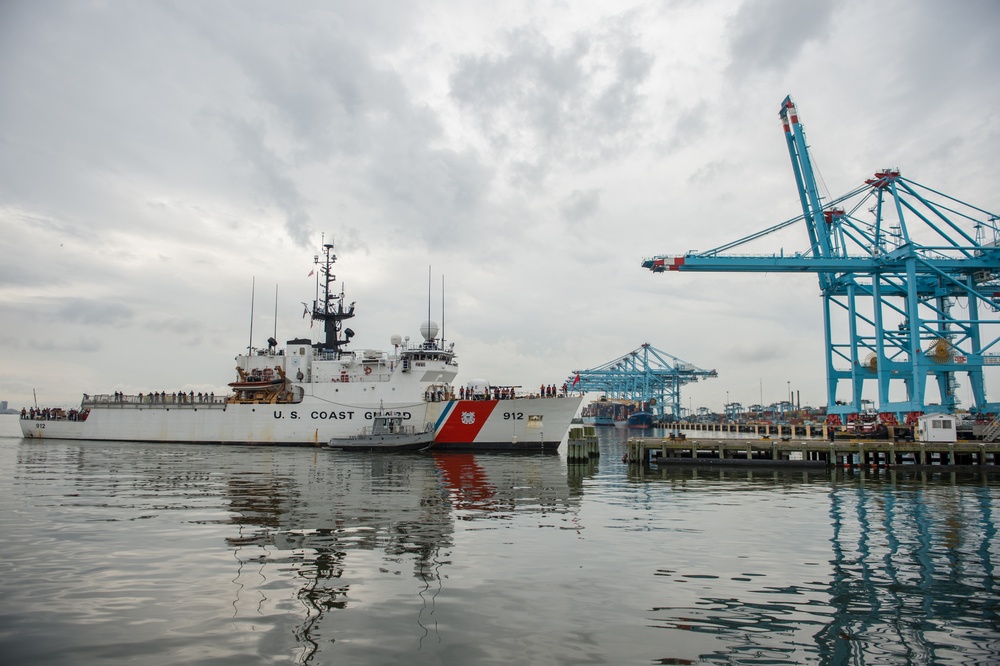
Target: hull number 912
[{"x": 513, "y": 416}]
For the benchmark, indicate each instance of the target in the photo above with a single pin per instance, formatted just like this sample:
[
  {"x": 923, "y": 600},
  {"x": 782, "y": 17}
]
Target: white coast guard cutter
[{"x": 309, "y": 393}]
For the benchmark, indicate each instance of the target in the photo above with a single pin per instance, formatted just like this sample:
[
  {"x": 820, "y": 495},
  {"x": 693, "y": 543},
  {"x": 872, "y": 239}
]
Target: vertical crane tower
[{"x": 909, "y": 281}]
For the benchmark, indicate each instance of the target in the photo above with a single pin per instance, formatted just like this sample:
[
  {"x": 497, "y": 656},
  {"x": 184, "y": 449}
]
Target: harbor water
[{"x": 115, "y": 553}]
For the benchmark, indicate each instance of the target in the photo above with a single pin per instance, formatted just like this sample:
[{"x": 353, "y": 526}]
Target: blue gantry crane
[
  {"x": 643, "y": 375},
  {"x": 909, "y": 281}
]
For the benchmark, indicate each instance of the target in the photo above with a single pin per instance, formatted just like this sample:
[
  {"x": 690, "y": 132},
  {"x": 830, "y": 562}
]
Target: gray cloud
[
  {"x": 331, "y": 107},
  {"x": 175, "y": 325},
  {"x": 155, "y": 156},
  {"x": 68, "y": 313},
  {"x": 435, "y": 192},
  {"x": 540, "y": 104},
  {"x": 770, "y": 34},
  {"x": 580, "y": 205},
  {"x": 250, "y": 141},
  {"x": 87, "y": 311},
  {"x": 85, "y": 345},
  {"x": 690, "y": 127}
]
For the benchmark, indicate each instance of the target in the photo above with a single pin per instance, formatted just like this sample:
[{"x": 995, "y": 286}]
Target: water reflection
[
  {"x": 911, "y": 574},
  {"x": 404, "y": 506},
  {"x": 170, "y": 554},
  {"x": 909, "y": 562},
  {"x": 913, "y": 581},
  {"x": 578, "y": 474}
]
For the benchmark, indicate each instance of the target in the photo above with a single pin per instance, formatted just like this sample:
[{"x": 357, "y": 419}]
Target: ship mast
[{"x": 330, "y": 310}]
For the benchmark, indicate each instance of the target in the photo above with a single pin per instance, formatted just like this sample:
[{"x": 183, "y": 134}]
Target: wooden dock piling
[{"x": 582, "y": 444}]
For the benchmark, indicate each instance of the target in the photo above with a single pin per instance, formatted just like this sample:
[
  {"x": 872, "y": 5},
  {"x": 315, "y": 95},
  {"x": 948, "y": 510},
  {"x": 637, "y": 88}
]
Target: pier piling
[{"x": 582, "y": 445}]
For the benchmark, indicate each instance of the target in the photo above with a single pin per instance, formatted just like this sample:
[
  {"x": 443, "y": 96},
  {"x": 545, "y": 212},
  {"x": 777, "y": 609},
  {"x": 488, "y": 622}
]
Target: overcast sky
[{"x": 157, "y": 158}]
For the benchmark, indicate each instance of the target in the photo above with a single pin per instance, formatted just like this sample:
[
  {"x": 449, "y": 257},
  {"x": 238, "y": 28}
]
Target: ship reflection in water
[
  {"x": 171, "y": 554},
  {"x": 401, "y": 506}
]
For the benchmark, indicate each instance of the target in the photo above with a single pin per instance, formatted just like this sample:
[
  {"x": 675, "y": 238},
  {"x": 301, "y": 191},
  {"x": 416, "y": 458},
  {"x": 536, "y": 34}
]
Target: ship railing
[
  {"x": 55, "y": 414},
  {"x": 154, "y": 400},
  {"x": 354, "y": 354},
  {"x": 465, "y": 393},
  {"x": 374, "y": 378}
]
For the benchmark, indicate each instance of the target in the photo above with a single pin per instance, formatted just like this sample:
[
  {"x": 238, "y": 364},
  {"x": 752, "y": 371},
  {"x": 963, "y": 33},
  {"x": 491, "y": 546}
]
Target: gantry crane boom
[
  {"x": 911, "y": 275},
  {"x": 805, "y": 181},
  {"x": 646, "y": 374}
]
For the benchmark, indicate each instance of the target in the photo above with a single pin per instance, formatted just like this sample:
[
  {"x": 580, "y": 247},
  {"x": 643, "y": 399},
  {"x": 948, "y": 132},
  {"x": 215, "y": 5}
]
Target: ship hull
[
  {"x": 521, "y": 423},
  {"x": 317, "y": 418}
]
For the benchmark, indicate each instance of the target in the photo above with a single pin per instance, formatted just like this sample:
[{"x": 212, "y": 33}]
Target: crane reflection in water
[{"x": 911, "y": 572}]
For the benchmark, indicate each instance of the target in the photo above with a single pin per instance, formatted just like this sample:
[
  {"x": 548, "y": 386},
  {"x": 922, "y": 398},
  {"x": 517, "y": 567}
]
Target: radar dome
[
  {"x": 429, "y": 329},
  {"x": 396, "y": 340}
]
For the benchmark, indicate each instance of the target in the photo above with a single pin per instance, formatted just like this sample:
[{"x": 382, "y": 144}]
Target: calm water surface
[{"x": 168, "y": 554}]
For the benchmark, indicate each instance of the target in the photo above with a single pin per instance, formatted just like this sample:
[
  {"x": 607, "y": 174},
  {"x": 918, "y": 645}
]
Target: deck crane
[
  {"x": 909, "y": 281},
  {"x": 646, "y": 374}
]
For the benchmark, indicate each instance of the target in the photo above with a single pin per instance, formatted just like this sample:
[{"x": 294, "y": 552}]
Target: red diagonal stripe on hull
[{"x": 467, "y": 418}]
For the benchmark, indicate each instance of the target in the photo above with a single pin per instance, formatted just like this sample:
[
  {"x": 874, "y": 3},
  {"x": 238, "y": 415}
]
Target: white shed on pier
[{"x": 937, "y": 428}]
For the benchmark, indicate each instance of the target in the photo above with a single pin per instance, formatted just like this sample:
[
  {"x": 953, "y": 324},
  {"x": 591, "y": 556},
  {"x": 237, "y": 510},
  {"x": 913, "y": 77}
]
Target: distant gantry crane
[
  {"x": 645, "y": 374},
  {"x": 909, "y": 281}
]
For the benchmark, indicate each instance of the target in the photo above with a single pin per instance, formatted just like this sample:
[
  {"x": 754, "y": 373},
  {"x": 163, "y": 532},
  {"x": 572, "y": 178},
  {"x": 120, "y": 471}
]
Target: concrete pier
[{"x": 812, "y": 452}]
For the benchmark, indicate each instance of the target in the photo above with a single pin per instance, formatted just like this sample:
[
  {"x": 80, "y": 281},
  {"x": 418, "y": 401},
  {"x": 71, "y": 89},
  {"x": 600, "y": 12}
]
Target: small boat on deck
[
  {"x": 258, "y": 379},
  {"x": 386, "y": 433},
  {"x": 256, "y": 386}
]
